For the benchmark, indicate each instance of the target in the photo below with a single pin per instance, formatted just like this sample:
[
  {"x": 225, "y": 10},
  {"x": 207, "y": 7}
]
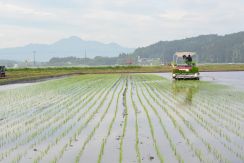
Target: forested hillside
[{"x": 210, "y": 48}]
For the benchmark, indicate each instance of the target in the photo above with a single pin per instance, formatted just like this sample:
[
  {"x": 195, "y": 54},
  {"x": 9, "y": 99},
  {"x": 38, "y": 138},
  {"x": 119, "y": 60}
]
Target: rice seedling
[{"x": 62, "y": 119}]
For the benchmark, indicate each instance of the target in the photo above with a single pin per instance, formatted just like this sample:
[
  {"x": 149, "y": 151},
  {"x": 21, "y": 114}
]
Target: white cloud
[
  {"x": 129, "y": 22},
  {"x": 15, "y": 35},
  {"x": 15, "y": 9}
]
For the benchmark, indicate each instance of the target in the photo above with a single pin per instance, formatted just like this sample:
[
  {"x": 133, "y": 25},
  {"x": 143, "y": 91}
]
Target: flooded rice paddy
[{"x": 123, "y": 118}]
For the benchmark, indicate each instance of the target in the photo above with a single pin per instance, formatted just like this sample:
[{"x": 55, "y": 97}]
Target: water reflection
[{"x": 184, "y": 91}]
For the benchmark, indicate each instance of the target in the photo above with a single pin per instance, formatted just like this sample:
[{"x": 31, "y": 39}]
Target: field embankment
[
  {"x": 34, "y": 74},
  {"x": 221, "y": 67}
]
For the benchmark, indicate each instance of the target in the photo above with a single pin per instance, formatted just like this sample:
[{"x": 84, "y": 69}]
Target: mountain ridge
[
  {"x": 211, "y": 48},
  {"x": 71, "y": 46}
]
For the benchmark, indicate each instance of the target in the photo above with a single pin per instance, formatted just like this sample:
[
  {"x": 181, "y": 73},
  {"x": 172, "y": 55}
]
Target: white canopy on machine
[{"x": 181, "y": 54}]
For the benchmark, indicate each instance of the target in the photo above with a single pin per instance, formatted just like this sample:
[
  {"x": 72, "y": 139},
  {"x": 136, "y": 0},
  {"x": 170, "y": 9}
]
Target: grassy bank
[
  {"x": 32, "y": 74},
  {"x": 221, "y": 67}
]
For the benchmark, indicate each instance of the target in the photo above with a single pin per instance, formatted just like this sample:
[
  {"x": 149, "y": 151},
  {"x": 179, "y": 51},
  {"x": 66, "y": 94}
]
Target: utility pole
[
  {"x": 34, "y": 58},
  {"x": 85, "y": 58},
  {"x": 163, "y": 59}
]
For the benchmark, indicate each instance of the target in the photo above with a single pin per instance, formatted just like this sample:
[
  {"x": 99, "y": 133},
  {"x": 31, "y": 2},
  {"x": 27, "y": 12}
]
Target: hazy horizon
[{"x": 130, "y": 23}]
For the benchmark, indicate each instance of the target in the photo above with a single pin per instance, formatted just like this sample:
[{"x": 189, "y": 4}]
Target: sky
[{"x": 130, "y": 23}]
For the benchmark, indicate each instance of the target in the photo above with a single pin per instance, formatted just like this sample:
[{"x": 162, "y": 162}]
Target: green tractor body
[{"x": 184, "y": 68}]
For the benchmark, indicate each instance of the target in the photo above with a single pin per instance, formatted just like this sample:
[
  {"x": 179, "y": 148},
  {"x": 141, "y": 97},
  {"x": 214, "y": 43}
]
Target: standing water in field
[
  {"x": 232, "y": 78},
  {"x": 13, "y": 86},
  {"x": 122, "y": 118}
]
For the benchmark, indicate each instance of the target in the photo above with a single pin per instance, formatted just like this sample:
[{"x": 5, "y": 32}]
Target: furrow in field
[
  {"x": 97, "y": 125},
  {"x": 152, "y": 130},
  {"x": 137, "y": 140},
  {"x": 129, "y": 152},
  {"x": 113, "y": 142},
  {"x": 166, "y": 135},
  {"x": 125, "y": 111},
  {"x": 104, "y": 141},
  {"x": 146, "y": 144},
  {"x": 92, "y": 148}
]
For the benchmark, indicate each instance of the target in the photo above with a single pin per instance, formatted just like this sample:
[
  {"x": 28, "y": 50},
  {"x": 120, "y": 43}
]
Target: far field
[
  {"x": 121, "y": 118},
  {"x": 33, "y": 74}
]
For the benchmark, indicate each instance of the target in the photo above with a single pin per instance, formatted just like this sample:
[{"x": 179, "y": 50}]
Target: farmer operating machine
[{"x": 184, "y": 67}]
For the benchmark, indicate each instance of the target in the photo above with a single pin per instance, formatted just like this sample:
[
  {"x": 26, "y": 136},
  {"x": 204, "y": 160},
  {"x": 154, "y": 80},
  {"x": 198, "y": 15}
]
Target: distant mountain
[
  {"x": 210, "y": 48},
  {"x": 72, "y": 46}
]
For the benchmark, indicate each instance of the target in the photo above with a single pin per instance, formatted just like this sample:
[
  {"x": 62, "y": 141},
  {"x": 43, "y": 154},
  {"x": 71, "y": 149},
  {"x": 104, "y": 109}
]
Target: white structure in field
[{"x": 148, "y": 61}]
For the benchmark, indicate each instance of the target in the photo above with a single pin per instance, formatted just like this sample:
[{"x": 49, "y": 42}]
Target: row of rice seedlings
[
  {"x": 51, "y": 88},
  {"x": 29, "y": 129},
  {"x": 80, "y": 117},
  {"x": 29, "y": 94},
  {"x": 218, "y": 134},
  {"x": 76, "y": 133},
  {"x": 205, "y": 111},
  {"x": 18, "y": 117},
  {"x": 198, "y": 152},
  {"x": 125, "y": 122},
  {"x": 221, "y": 134},
  {"x": 231, "y": 100},
  {"x": 151, "y": 127},
  {"x": 171, "y": 142},
  {"x": 48, "y": 110},
  {"x": 138, "y": 153},
  {"x": 222, "y": 100},
  {"x": 52, "y": 123},
  {"x": 227, "y": 113},
  {"x": 201, "y": 111},
  {"x": 110, "y": 127},
  {"x": 182, "y": 118},
  {"x": 66, "y": 116},
  {"x": 86, "y": 111},
  {"x": 34, "y": 119},
  {"x": 21, "y": 110},
  {"x": 89, "y": 137},
  {"x": 230, "y": 124}
]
